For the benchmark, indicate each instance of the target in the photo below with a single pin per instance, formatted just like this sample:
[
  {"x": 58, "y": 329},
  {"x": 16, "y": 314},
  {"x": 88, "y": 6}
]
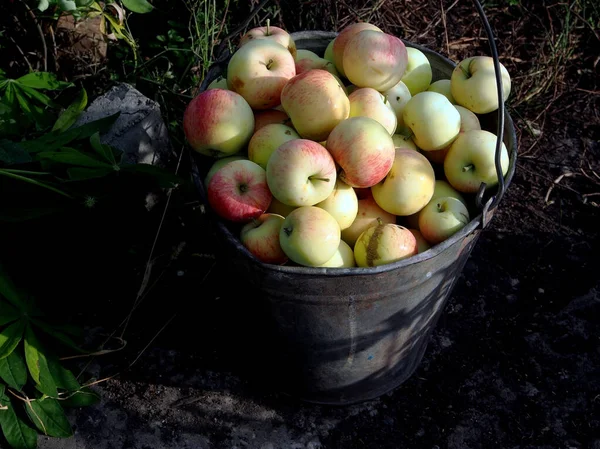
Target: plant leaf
[
  {"x": 38, "y": 364},
  {"x": 49, "y": 417},
  {"x": 72, "y": 156},
  {"x": 104, "y": 151},
  {"x": 13, "y": 370},
  {"x": 42, "y": 80},
  {"x": 8, "y": 313},
  {"x": 84, "y": 174},
  {"x": 43, "y": 5},
  {"x": 139, "y": 6},
  {"x": 81, "y": 398},
  {"x": 67, "y": 5},
  {"x": 57, "y": 334},
  {"x": 10, "y": 292},
  {"x": 70, "y": 115},
  {"x": 10, "y": 338},
  {"x": 163, "y": 177},
  {"x": 12, "y": 153},
  {"x": 37, "y": 95},
  {"x": 18, "y": 434},
  {"x": 35, "y": 113}
]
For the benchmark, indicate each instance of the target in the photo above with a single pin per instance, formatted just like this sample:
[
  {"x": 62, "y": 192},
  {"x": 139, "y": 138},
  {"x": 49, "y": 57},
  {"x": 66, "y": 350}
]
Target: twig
[
  {"x": 37, "y": 24},
  {"x": 23, "y": 54},
  {"x": 445, "y": 27},
  {"x": 555, "y": 183}
]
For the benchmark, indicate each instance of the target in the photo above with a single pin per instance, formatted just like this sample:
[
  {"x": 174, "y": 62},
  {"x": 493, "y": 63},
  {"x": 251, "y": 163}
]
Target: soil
[{"x": 512, "y": 363}]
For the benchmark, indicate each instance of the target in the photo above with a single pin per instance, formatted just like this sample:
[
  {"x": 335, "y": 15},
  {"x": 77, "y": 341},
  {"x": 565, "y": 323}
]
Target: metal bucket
[{"x": 347, "y": 335}]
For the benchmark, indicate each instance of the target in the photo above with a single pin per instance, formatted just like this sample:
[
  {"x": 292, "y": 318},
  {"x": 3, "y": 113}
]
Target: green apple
[
  {"x": 402, "y": 141},
  {"x": 418, "y": 74},
  {"x": 261, "y": 237},
  {"x": 442, "y": 218},
  {"x": 329, "y": 51},
  {"x": 271, "y": 33},
  {"x": 218, "y": 123},
  {"x": 218, "y": 83},
  {"x": 367, "y": 215},
  {"x": 258, "y": 70},
  {"x": 398, "y": 96},
  {"x": 442, "y": 87},
  {"x": 301, "y": 172},
  {"x": 473, "y": 84},
  {"x": 374, "y": 59},
  {"x": 441, "y": 189},
  {"x": 310, "y": 236},
  {"x": 342, "y": 258},
  {"x": 363, "y": 149},
  {"x": 368, "y": 102},
  {"x": 384, "y": 243},
  {"x": 315, "y": 102},
  {"x": 422, "y": 244},
  {"x": 433, "y": 120},
  {"x": 221, "y": 163},
  {"x": 408, "y": 186},
  {"x": 340, "y": 41},
  {"x": 342, "y": 203},
  {"x": 268, "y": 139},
  {"x": 471, "y": 161}
]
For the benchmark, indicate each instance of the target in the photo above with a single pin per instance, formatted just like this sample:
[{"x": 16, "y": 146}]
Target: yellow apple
[
  {"x": 384, "y": 243},
  {"x": 418, "y": 74}
]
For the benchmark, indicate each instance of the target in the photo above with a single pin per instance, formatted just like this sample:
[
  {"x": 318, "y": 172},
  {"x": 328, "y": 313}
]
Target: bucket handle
[{"x": 488, "y": 207}]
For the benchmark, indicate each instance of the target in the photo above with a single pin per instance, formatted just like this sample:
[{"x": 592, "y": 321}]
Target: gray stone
[{"x": 139, "y": 131}]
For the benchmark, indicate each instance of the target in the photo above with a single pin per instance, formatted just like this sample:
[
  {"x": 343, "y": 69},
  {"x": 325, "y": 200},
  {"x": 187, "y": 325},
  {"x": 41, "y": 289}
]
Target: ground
[{"x": 513, "y": 361}]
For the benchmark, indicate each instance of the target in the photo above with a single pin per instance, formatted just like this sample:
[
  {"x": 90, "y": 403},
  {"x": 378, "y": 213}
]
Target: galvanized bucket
[{"x": 342, "y": 336}]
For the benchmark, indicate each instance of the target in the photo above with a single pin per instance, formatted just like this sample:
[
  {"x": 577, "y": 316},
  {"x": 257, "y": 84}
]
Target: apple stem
[
  {"x": 270, "y": 64},
  {"x": 268, "y": 27},
  {"x": 441, "y": 207},
  {"x": 468, "y": 167},
  {"x": 314, "y": 178}
]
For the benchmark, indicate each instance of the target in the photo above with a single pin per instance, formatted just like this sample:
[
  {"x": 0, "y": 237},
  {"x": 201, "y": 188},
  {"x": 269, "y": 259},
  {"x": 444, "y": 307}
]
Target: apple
[
  {"x": 309, "y": 236},
  {"x": 471, "y": 161},
  {"x": 397, "y": 96},
  {"x": 238, "y": 192},
  {"x": 367, "y": 215},
  {"x": 258, "y": 70},
  {"x": 418, "y": 74},
  {"x": 271, "y": 33},
  {"x": 442, "y": 218},
  {"x": 340, "y": 41},
  {"x": 402, "y": 141},
  {"x": 315, "y": 102},
  {"x": 268, "y": 139},
  {"x": 329, "y": 52},
  {"x": 468, "y": 121},
  {"x": 442, "y": 87},
  {"x": 422, "y": 244},
  {"x": 277, "y": 207},
  {"x": 363, "y": 149},
  {"x": 261, "y": 237},
  {"x": 342, "y": 258},
  {"x": 218, "y": 83},
  {"x": 368, "y": 102},
  {"x": 218, "y": 123},
  {"x": 374, "y": 59},
  {"x": 268, "y": 116},
  {"x": 307, "y": 60},
  {"x": 473, "y": 84},
  {"x": 441, "y": 189},
  {"x": 301, "y": 172},
  {"x": 408, "y": 186},
  {"x": 384, "y": 243},
  {"x": 433, "y": 120},
  {"x": 219, "y": 163},
  {"x": 342, "y": 204}
]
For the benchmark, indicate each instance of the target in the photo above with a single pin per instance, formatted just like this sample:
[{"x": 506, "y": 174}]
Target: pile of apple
[{"x": 331, "y": 160}]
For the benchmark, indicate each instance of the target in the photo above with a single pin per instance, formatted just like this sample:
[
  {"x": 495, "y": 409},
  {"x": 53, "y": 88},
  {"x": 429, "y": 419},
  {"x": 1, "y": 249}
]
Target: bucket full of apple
[{"x": 348, "y": 176}]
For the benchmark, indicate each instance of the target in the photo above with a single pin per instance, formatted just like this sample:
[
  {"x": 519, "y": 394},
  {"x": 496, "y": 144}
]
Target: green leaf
[
  {"x": 104, "y": 151},
  {"x": 67, "y": 5},
  {"x": 8, "y": 313},
  {"x": 49, "y": 417},
  {"x": 43, "y": 80},
  {"x": 13, "y": 370},
  {"x": 63, "y": 377},
  {"x": 58, "y": 335},
  {"x": 37, "y": 95},
  {"x": 18, "y": 434},
  {"x": 70, "y": 115},
  {"x": 10, "y": 338},
  {"x": 85, "y": 174},
  {"x": 38, "y": 364},
  {"x": 12, "y": 153},
  {"x": 139, "y": 6},
  {"x": 83, "y": 3},
  {"x": 82, "y": 398},
  {"x": 72, "y": 156},
  {"x": 35, "y": 113},
  {"x": 10, "y": 292},
  {"x": 43, "y": 5},
  {"x": 163, "y": 177}
]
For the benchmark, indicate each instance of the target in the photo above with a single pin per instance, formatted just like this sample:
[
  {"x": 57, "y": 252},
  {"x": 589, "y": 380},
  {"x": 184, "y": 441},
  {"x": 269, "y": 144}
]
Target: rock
[{"x": 139, "y": 131}]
